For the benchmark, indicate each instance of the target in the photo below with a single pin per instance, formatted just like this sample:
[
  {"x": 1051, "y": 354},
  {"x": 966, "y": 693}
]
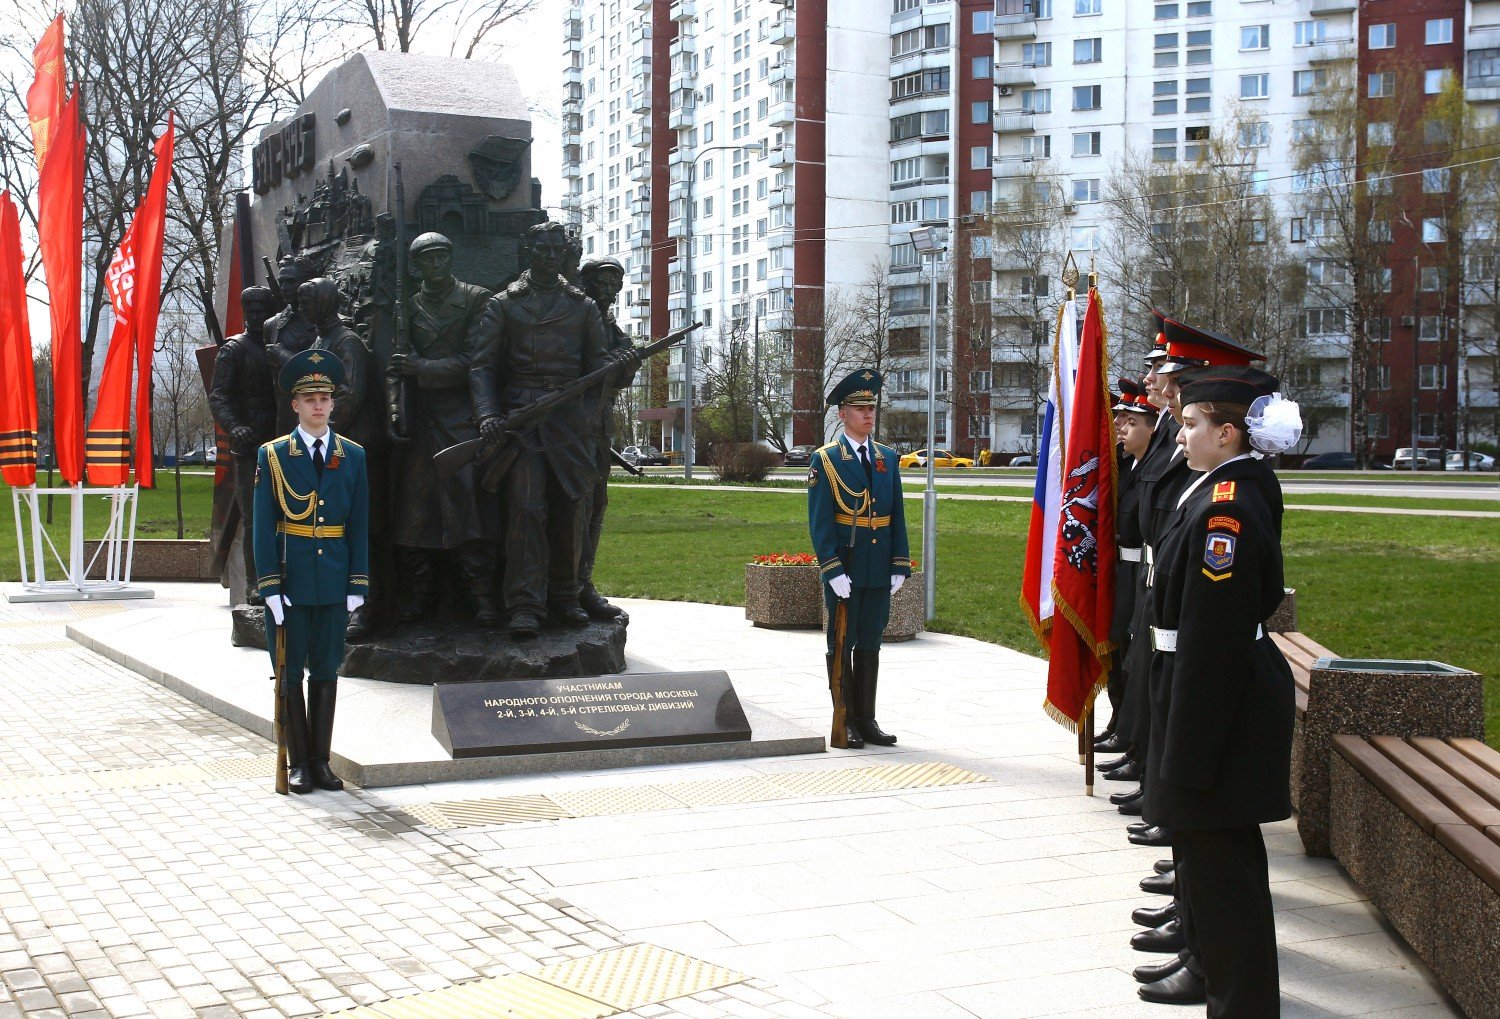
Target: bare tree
[
  {"x": 178, "y": 399},
  {"x": 861, "y": 326},
  {"x": 467, "y": 27}
]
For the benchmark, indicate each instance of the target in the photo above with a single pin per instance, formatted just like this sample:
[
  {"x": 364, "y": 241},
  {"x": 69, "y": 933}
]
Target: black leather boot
[
  {"x": 1166, "y": 938},
  {"x": 320, "y": 700},
  {"x": 1118, "y": 762},
  {"x": 866, "y": 677},
  {"x": 294, "y": 723},
  {"x": 598, "y": 606},
  {"x": 1180, "y": 987},
  {"x": 1111, "y": 743},
  {"x": 1149, "y": 916},
  {"x": 854, "y": 741}
]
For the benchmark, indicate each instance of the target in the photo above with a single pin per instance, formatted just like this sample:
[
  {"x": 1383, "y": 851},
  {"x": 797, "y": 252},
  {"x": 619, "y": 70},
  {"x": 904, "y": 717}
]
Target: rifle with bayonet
[
  {"x": 398, "y": 385},
  {"x": 274, "y": 284},
  {"x": 513, "y": 424}
]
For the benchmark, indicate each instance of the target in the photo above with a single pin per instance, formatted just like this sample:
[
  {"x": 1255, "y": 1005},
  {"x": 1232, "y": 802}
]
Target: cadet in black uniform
[{"x": 1219, "y": 685}]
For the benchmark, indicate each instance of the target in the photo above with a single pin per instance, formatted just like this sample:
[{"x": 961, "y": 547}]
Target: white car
[{"x": 1470, "y": 462}]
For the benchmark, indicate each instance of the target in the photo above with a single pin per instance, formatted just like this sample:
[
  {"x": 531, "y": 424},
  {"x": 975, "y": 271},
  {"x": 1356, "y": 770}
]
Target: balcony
[
  {"x": 677, "y": 191},
  {"x": 572, "y": 169},
  {"x": 682, "y": 46},
  {"x": 684, "y": 10},
  {"x": 573, "y": 41},
  {"x": 640, "y": 276},
  {"x": 1015, "y": 166},
  {"x": 1482, "y": 90},
  {"x": 1483, "y": 37},
  {"x": 1015, "y": 26},
  {"x": 1332, "y": 51},
  {"x": 641, "y": 50},
  {"x": 641, "y": 171},
  {"x": 640, "y": 207},
  {"x": 1014, "y": 121},
  {"x": 640, "y": 101},
  {"x": 782, "y": 70},
  {"x": 784, "y": 29},
  {"x": 682, "y": 79},
  {"x": 784, "y": 156},
  {"x": 1018, "y": 73},
  {"x": 1319, "y": 8},
  {"x": 640, "y": 239},
  {"x": 573, "y": 76},
  {"x": 681, "y": 156},
  {"x": 781, "y": 198},
  {"x": 643, "y": 139},
  {"x": 783, "y": 114},
  {"x": 677, "y": 301},
  {"x": 677, "y": 229},
  {"x": 639, "y": 32},
  {"x": 780, "y": 239},
  {"x": 640, "y": 67},
  {"x": 641, "y": 310},
  {"x": 779, "y": 279},
  {"x": 681, "y": 118}
]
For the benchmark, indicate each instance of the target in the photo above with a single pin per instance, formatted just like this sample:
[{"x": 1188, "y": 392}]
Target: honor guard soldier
[
  {"x": 858, "y": 523},
  {"x": 311, "y": 554},
  {"x": 1220, "y": 687}
]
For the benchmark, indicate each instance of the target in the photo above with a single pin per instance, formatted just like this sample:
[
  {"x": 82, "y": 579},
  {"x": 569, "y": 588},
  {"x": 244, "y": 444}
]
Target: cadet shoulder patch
[
  {"x": 1224, "y": 491},
  {"x": 1218, "y": 556},
  {"x": 1222, "y": 523},
  {"x": 812, "y": 477}
]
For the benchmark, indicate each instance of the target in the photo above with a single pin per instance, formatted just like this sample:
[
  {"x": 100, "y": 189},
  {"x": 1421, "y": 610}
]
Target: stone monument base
[{"x": 453, "y": 651}]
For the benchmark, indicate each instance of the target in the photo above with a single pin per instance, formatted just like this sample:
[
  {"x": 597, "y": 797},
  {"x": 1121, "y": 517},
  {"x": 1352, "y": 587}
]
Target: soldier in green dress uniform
[
  {"x": 312, "y": 557},
  {"x": 858, "y": 524}
]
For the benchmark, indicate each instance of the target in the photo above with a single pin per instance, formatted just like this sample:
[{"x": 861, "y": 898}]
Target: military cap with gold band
[
  {"x": 858, "y": 389},
  {"x": 312, "y": 371}
]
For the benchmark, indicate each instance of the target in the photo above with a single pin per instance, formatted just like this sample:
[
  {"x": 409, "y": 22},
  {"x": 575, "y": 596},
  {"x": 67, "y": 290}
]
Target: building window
[
  {"x": 1200, "y": 9},
  {"x": 979, "y": 157},
  {"x": 1378, "y": 330},
  {"x": 1380, "y": 231},
  {"x": 1086, "y": 143},
  {"x": 1434, "y": 80},
  {"x": 1255, "y": 134},
  {"x": 1084, "y": 238},
  {"x": 1086, "y": 190},
  {"x": 1430, "y": 327},
  {"x": 1036, "y": 100},
  {"x": 979, "y": 113},
  {"x": 1430, "y": 279},
  {"x": 984, "y": 22},
  {"x": 1439, "y": 31},
  {"x": 1255, "y": 86},
  {"x": 1432, "y": 376},
  {"x": 1434, "y": 231},
  {"x": 1427, "y": 426},
  {"x": 1086, "y": 97},
  {"x": 1378, "y": 377},
  {"x": 1255, "y": 37},
  {"x": 1380, "y": 134},
  {"x": 1382, "y": 37},
  {"x": 1382, "y": 84},
  {"x": 1435, "y": 181},
  {"x": 1084, "y": 8},
  {"x": 1200, "y": 45},
  {"x": 1036, "y": 54},
  {"x": 1088, "y": 51},
  {"x": 1484, "y": 67},
  {"x": 1306, "y": 33},
  {"x": 1198, "y": 96},
  {"x": 1324, "y": 321},
  {"x": 1298, "y": 232},
  {"x": 1166, "y": 12},
  {"x": 983, "y": 67},
  {"x": 1305, "y": 83},
  {"x": 1164, "y": 145},
  {"x": 1378, "y": 426}
]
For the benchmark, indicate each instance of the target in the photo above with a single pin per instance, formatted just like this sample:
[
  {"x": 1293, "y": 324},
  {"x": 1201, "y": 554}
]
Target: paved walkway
[{"x": 149, "y": 870}]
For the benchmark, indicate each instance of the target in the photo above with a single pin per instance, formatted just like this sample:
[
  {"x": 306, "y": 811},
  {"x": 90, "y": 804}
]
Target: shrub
[{"x": 743, "y": 461}]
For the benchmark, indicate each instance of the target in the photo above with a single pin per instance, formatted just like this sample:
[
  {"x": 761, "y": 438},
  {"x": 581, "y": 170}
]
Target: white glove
[
  {"x": 275, "y": 604},
  {"x": 840, "y": 585},
  {"x": 354, "y": 601},
  {"x": 896, "y": 581}
]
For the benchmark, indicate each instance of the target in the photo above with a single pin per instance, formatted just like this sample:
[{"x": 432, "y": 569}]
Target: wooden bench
[
  {"x": 1332, "y": 700},
  {"x": 1417, "y": 823}
]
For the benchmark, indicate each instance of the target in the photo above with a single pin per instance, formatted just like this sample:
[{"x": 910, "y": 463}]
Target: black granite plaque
[{"x": 535, "y": 716}]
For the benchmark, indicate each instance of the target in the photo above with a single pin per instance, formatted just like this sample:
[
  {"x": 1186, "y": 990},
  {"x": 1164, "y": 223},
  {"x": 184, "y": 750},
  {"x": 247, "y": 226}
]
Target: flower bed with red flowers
[{"x": 785, "y": 559}]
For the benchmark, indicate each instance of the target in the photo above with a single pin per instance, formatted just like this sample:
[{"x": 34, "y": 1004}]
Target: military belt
[
  {"x": 870, "y": 522},
  {"x": 526, "y": 381},
  {"x": 1166, "y": 640},
  {"x": 310, "y": 530},
  {"x": 1129, "y": 555}
]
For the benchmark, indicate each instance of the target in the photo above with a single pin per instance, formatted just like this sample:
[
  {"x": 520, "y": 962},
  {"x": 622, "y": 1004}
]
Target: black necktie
[
  {"x": 318, "y": 457},
  {"x": 864, "y": 458}
]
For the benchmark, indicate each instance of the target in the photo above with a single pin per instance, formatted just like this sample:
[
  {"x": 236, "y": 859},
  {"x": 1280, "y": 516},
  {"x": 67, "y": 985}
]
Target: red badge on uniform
[
  {"x": 880, "y": 465},
  {"x": 1224, "y": 491},
  {"x": 1224, "y": 524}
]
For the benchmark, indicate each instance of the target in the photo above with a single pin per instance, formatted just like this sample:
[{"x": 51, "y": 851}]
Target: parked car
[
  {"x": 193, "y": 458},
  {"x": 1427, "y": 459},
  {"x": 1023, "y": 460},
  {"x": 941, "y": 458},
  {"x": 1470, "y": 462},
  {"x": 643, "y": 456},
  {"x": 1331, "y": 462},
  {"x": 798, "y": 456}
]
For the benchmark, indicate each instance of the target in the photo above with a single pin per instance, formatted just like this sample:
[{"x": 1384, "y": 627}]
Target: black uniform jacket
[
  {"x": 1127, "y": 535},
  {"x": 1222, "y": 703}
]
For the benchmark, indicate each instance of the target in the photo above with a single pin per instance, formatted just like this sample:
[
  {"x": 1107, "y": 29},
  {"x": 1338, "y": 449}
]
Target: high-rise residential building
[{"x": 759, "y": 166}]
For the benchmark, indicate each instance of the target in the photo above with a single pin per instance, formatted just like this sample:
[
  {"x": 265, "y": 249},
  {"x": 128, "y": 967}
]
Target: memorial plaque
[{"x": 535, "y": 716}]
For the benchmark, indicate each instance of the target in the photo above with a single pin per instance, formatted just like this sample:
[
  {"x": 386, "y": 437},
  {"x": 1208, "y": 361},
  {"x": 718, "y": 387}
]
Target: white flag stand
[{"x": 117, "y": 547}]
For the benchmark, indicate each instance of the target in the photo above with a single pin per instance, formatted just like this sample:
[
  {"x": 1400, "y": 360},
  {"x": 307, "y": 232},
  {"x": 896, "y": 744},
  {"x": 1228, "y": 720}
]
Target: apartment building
[{"x": 754, "y": 163}]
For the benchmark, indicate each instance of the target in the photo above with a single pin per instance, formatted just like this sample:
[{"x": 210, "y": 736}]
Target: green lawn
[{"x": 1367, "y": 585}]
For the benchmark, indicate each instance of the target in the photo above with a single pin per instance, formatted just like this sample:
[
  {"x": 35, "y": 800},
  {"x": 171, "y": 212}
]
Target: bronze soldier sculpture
[
  {"x": 436, "y": 514},
  {"x": 242, "y": 400},
  {"x": 533, "y": 339},
  {"x": 602, "y": 280},
  {"x": 288, "y": 332}
]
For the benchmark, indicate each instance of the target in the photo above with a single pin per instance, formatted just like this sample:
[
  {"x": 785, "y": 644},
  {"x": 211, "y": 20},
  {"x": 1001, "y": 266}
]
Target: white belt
[
  {"x": 1166, "y": 640},
  {"x": 1129, "y": 555}
]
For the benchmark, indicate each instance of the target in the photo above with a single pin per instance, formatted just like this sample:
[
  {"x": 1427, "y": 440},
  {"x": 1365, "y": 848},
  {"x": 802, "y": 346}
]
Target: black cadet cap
[
  {"x": 1226, "y": 383},
  {"x": 1190, "y": 345}
]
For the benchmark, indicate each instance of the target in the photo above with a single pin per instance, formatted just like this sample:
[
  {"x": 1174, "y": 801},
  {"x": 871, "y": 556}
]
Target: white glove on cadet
[
  {"x": 354, "y": 601},
  {"x": 840, "y": 585},
  {"x": 275, "y": 604},
  {"x": 896, "y": 581}
]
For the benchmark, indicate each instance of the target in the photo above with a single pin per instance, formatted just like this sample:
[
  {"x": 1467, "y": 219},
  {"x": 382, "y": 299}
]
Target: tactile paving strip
[
  {"x": 32, "y": 647},
  {"x": 136, "y": 778},
  {"x": 509, "y": 997},
  {"x": 637, "y": 975},
  {"x": 597, "y": 802}
]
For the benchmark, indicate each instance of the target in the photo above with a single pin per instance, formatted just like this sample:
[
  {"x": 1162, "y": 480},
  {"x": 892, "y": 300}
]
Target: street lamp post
[
  {"x": 929, "y": 245},
  {"x": 687, "y": 344}
]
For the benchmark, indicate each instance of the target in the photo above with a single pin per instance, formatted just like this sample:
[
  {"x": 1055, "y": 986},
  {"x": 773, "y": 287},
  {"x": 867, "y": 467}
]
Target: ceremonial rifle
[
  {"x": 630, "y": 468},
  {"x": 280, "y": 678},
  {"x": 398, "y": 385},
  {"x": 455, "y": 456},
  {"x": 839, "y": 737},
  {"x": 274, "y": 284}
]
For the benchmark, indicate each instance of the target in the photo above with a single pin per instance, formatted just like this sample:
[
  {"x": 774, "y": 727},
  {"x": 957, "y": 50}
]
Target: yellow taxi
[{"x": 942, "y": 458}]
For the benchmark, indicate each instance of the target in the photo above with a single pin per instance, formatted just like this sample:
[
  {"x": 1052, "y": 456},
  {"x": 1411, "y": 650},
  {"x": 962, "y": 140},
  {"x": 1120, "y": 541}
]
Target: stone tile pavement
[{"x": 219, "y": 898}]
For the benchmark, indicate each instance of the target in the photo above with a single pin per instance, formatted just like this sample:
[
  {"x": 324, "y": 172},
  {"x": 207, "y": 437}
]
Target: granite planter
[
  {"x": 162, "y": 559},
  {"x": 908, "y": 612},
  {"x": 1375, "y": 697},
  {"x": 783, "y": 597}
]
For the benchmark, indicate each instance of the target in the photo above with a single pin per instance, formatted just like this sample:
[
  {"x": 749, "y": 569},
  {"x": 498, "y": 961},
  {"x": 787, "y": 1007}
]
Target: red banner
[
  {"x": 57, "y": 133},
  {"x": 1083, "y": 577},
  {"x": 152, "y": 217},
  {"x": 17, "y": 385}
]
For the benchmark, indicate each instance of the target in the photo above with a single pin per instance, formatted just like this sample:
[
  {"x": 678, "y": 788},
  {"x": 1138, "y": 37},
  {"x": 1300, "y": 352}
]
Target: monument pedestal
[{"x": 451, "y": 650}]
